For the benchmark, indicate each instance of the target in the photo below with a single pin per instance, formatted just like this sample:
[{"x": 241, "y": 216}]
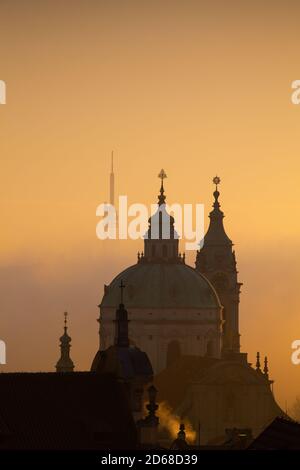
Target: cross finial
[
  {"x": 162, "y": 175},
  {"x": 65, "y": 321},
  {"x": 161, "y": 198},
  {"x": 122, "y": 287}
]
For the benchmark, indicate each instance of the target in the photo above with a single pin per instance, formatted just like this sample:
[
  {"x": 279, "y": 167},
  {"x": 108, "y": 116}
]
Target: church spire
[
  {"x": 121, "y": 322},
  {"x": 216, "y": 260},
  {"x": 65, "y": 363},
  {"x": 216, "y": 234},
  {"x": 112, "y": 182}
]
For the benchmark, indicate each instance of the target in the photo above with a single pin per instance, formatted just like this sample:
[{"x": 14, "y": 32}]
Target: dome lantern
[{"x": 161, "y": 240}]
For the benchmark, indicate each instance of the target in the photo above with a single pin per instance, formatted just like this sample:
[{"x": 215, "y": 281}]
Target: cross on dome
[{"x": 122, "y": 287}]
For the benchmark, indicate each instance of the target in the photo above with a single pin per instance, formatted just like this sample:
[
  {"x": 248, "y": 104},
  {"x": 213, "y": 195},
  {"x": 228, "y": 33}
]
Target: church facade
[
  {"x": 187, "y": 321},
  {"x": 217, "y": 396}
]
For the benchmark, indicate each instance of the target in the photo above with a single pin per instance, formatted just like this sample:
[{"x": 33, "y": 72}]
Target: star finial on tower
[
  {"x": 122, "y": 287},
  {"x": 161, "y": 198},
  {"x": 216, "y": 181}
]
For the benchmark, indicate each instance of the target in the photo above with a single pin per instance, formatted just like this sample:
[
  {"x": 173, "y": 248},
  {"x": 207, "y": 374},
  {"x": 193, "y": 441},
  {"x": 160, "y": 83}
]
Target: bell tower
[{"x": 216, "y": 260}]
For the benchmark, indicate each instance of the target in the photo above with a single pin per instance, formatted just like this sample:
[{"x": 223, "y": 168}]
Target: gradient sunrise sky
[{"x": 195, "y": 87}]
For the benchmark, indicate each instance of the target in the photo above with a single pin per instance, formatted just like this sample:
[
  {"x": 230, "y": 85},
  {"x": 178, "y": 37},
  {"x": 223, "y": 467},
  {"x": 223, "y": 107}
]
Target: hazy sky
[{"x": 196, "y": 87}]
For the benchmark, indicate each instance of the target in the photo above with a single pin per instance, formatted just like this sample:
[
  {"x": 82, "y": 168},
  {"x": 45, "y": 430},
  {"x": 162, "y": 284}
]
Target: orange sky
[{"x": 198, "y": 88}]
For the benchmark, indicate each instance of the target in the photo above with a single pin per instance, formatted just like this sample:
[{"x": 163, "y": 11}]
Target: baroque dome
[{"x": 161, "y": 285}]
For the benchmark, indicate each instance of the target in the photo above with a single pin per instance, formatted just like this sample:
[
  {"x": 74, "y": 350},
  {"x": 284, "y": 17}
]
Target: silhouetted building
[
  {"x": 220, "y": 394},
  {"x": 180, "y": 322},
  {"x": 65, "y": 363},
  {"x": 125, "y": 361},
  {"x": 78, "y": 410},
  {"x": 187, "y": 321},
  {"x": 281, "y": 434},
  {"x": 173, "y": 309},
  {"x": 148, "y": 426}
]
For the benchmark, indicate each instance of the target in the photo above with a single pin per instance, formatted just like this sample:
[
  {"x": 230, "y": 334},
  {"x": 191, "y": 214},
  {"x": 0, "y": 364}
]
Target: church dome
[
  {"x": 161, "y": 279},
  {"x": 161, "y": 285}
]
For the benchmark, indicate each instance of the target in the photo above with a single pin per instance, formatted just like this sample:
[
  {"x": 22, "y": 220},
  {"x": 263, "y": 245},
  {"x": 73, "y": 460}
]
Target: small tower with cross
[
  {"x": 121, "y": 322},
  {"x": 65, "y": 363},
  {"x": 125, "y": 361}
]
